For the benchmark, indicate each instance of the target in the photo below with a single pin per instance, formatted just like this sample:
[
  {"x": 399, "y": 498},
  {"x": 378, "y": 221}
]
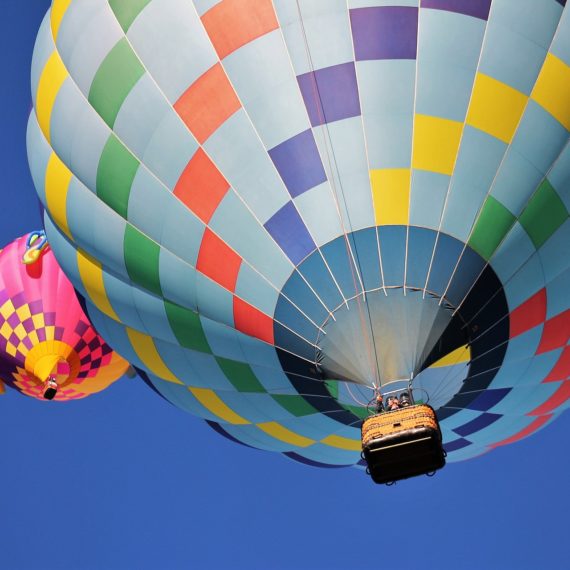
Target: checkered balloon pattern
[
  {"x": 44, "y": 331},
  {"x": 274, "y": 208}
]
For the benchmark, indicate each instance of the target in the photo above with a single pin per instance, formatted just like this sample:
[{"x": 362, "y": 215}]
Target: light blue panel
[
  {"x": 88, "y": 32},
  {"x": 448, "y": 53},
  {"x": 182, "y": 231},
  {"x": 319, "y": 212},
  {"x": 466, "y": 453},
  {"x": 258, "y": 352},
  {"x": 540, "y": 138},
  {"x": 525, "y": 399},
  {"x": 515, "y": 59},
  {"x": 140, "y": 115},
  {"x": 274, "y": 380},
  {"x": 214, "y": 302},
  {"x": 553, "y": 252},
  {"x": 428, "y": 193},
  {"x": 318, "y": 274},
  {"x": 202, "y": 6},
  {"x": 294, "y": 320},
  {"x": 520, "y": 374},
  {"x": 263, "y": 78},
  {"x": 559, "y": 176},
  {"x": 238, "y": 227},
  {"x": 152, "y": 313},
  {"x": 372, "y": 3},
  {"x": 349, "y": 178},
  {"x": 460, "y": 418},
  {"x": 252, "y": 435},
  {"x": 239, "y": 154},
  {"x": 557, "y": 294},
  {"x": 519, "y": 348},
  {"x": 223, "y": 340},
  {"x": 173, "y": 45},
  {"x": 251, "y": 406},
  {"x": 477, "y": 162},
  {"x": 420, "y": 249},
  {"x": 516, "y": 181},
  {"x": 169, "y": 150},
  {"x": 254, "y": 289},
  {"x": 387, "y": 90},
  {"x": 63, "y": 249},
  {"x": 177, "y": 280},
  {"x": 321, "y": 22},
  {"x": 39, "y": 153},
  {"x": 513, "y": 252},
  {"x": 43, "y": 49},
  {"x": 329, "y": 455},
  {"x": 365, "y": 248},
  {"x": 561, "y": 44},
  {"x": 525, "y": 282},
  {"x": 536, "y": 20},
  {"x": 393, "y": 250},
  {"x": 182, "y": 398}
]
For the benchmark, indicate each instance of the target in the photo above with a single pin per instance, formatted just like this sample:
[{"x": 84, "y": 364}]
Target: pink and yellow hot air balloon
[{"x": 48, "y": 348}]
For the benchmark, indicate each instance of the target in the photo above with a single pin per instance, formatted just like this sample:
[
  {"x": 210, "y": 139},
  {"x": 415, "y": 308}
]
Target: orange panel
[
  {"x": 253, "y": 322},
  {"x": 207, "y": 103},
  {"x": 218, "y": 261},
  {"x": 201, "y": 186},
  {"x": 233, "y": 23}
]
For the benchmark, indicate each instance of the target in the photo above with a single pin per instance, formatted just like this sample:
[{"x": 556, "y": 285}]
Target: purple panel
[
  {"x": 331, "y": 93},
  {"x": 477, "y": 424},
  {"x": 289, "y": 231},
  {"x": 36, "y": 307},
  {"x": 49, "y": 319},
  {"x": 19, "y": 300},
  {"x": 488, "y": 399},
  {"x": 298, "y": 162},
  {"x": 13, "y": 339},
  {"x": 476, "y": 8},
  {"x": 27, "y": 342},
  {"x": 14, "y": 320},
  {"x": 80, "y": 346},
  {"x": 28, "y": 325},
  {"x": 81, "y": 327},
  {"x": 387, "y": 32},
  {"x": 456, "y": 444},
  {"x": 58, "y": 333},
  {"x": 42, "y": 334}
]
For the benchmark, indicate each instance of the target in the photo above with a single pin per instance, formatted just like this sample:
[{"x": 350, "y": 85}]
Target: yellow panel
[
  {"x": 58, "y": 177},
  {"x": 91, "y": 274},
  {"x": 212, "y": 402},
  {"x": 146, "y": 350},
  {"x": 50, "y": 332},
  {"x": 20, "y": 331},
  {"x": 58, "y": 10},
  {"x": 5, "y": 330},
  {"x": 391, "y": 192},
  {"x": 11, "y": 349},
  {"x": 283, "y": 434},
  {"x": 38, "y": 321},
  {"x": 495, "y": 108},
  {"x": 7, "y": 309},
  {"x": 343, "y": 442},
  {"x": 458, "y": 356},
  {"x": 436, "y": 142},
  {"x": 51, "y": 80},
  {"x": 33, "y": 336},
  {"x": 552, "y": 89},
  {"x": 23, "y": 312}
]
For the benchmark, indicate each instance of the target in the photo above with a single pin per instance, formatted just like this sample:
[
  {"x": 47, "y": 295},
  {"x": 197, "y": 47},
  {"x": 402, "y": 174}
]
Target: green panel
[
  {"x": 297, "y": 405},
  {"x": 493, "y": 224},
  {"x": 127, "y": 10},
  {"x": 358, "y": 411},
  {"x": 544, "y": 214},
  {"x": 332, "y": 387},
  {"x": 141, "y": 260},
  {"x": 240, "y": 375},
  {"x": 187, "y": 328},
  {"x": 114, "y": 80},
  {"x": 115, "y": 174}
]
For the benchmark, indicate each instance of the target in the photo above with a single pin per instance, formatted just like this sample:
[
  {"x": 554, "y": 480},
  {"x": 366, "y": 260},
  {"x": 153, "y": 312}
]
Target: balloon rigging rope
[{"x": 373, "y": 359}]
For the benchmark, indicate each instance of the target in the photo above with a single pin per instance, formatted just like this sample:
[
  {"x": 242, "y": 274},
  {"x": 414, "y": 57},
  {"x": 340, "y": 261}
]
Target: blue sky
[{"x": 124, "y": 480}]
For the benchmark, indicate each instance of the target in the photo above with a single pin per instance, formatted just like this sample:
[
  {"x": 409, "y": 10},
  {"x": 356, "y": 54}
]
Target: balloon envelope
[{"x": 273, "y": 208}]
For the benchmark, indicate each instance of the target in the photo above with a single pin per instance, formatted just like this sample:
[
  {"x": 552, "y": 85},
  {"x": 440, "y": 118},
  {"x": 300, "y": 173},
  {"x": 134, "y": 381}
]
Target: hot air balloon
[
  {"x": 48, "y": 348},
  {"x": 278, "y": 210}
]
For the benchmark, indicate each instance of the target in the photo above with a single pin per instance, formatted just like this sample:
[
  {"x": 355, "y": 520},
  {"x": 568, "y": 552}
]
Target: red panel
[
  {"x": 251, "y": 321},
  {"x": 218, "y": 261},
  {"x": 201, "y": 186},
  {"x": 528, "y": 315},
  {"x": 234, "y": 23},
  {"x": 557, "y": 399},
  {"x": 561, "y": 370},
  {"x": 535, "y": 425},
  {"x": 207, "y": 103},
  {"x": 556, "y": 332}
]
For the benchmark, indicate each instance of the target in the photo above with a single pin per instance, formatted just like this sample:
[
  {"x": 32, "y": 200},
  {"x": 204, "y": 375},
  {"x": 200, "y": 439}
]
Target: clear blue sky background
[{"x": 125, "y": 480}]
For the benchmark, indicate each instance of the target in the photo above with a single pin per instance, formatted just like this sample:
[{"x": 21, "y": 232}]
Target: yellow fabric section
[
  {"x": 45, "y": 366},
  {"x": 146, "y": 350},
  {"x": 58, "y": 10},
  {"x": 436, "y": 142},
  {"x": 459, "y": 355},
  {"x": 391, "y": 194},
  {"x": 91, "y": 273},
  {"x": 104, "y": 376},
  {"x": 43, "y": 356},
  {"x": 342, "y": 442},
  {"x": 283, "y": 434},
  {"x": 495, "y": 108},
  {"x": 23, "y": 312},
  {"x": 58, "y": 177},
  {"x": 212, "y": 402},
  {"x": 552, "y": 89},
  {"x": 7, "y": 309},
  {"x": 51, "y": 80}
]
